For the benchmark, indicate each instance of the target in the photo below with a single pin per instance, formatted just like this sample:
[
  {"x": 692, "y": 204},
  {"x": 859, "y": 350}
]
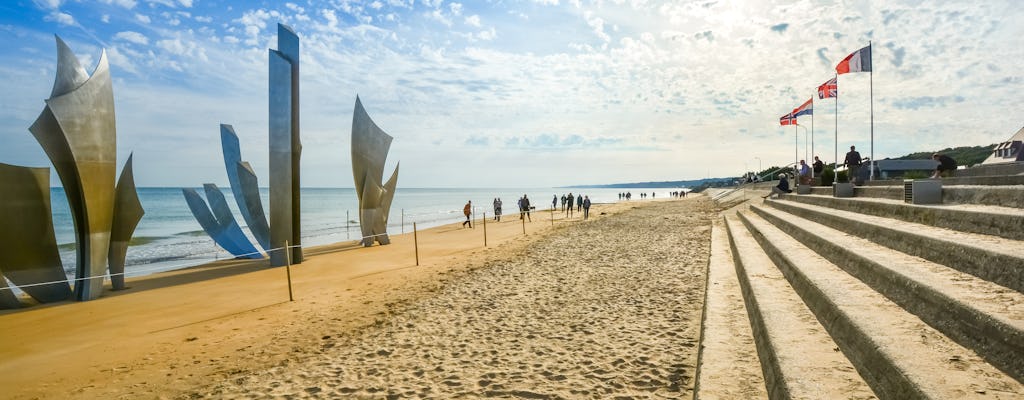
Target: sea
[{"x": 168, "y": 237}]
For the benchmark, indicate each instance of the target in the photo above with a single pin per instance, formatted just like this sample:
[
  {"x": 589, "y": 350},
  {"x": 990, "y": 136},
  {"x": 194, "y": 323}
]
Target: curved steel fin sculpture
[
  {"x": 225, "y": 233},
  {"x": 370, "y": 146},
  {"x": 28, "y": 253},
  {"x": 226, "y": 220},
  {"x": 77, "y": 131},
  {"x": 127, "y": 214},
  {"x": 285, "y": 147},
  {"x": 246, "y": 191}
]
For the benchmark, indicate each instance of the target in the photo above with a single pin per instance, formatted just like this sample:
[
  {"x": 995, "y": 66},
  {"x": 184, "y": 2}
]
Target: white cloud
[
  {"x": 456, "y": 8},
  {"x": 204, "y": 19},
  {"x": 473, "y": 20},
  {"x": 376, "y": 5},
  {"x": 186, "y": 3},
  {"x": 294, "y": 7},
  {"x": 48, "y": 4},
  {"x": 547, "y": 2},
  {"x": 597, "y": 23},
  {"x": 438, "y": 15},
  {"x": 105, "y": 18},
  {"x": 142, "y": 18},
  {"x": 133, "y": 37},
  {"x": 128, "y": 4},
  {"x": 61, "y": 18}
]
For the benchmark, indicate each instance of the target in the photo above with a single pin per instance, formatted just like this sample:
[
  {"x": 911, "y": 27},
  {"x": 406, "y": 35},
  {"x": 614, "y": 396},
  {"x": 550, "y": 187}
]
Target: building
[{"x": 1008, "y": 151}]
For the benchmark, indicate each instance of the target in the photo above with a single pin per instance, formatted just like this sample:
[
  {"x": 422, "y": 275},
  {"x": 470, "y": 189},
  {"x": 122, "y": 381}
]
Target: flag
[
  {"x": 787, "y": 119},
  {"x": 828, "y": 89},
  {"x": 805, "y": 109},
  {"x": 858, "y": 61}
]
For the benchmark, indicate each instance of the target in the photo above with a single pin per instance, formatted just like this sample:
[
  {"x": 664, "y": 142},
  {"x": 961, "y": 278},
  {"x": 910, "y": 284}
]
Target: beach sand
[{"x": 597, "y": 309}]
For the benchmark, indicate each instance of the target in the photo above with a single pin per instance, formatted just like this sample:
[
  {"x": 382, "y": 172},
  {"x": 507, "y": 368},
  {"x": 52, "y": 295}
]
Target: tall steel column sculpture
[
  {"x": 28, "y": 247},
  {"x": 370, "y": 146},
  {"x": 77, "y": 131},
  {"x": 285, "y": 148},
  {"x": 219, "y": 223},
  {"x": 246, "y": 191},
  {"x": 127, "y": 214}
]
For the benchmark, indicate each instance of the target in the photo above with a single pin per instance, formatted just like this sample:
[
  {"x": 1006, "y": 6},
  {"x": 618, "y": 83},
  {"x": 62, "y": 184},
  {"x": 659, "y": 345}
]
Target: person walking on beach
[
  {"x": 946, "y": 167},
  {"x": 497, "y": 209},
  {"x": 524, "y": 207},
  {"x": 586, "y": 207},
  {"x": 579, "y": 203},
  {"x": 568, "y": 200},
  {"x": 563, "y": 202},
  {"x": 852, "y": 163},
  {"x": 466, "y": 210},
  {"x": 554, "y": 201}
]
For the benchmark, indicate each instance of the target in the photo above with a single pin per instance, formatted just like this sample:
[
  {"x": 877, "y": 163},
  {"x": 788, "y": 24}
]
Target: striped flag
[
  {"x": 805, "y": 109},
  {"x": 787, "y": 119},
  {"x": 858, "y": 61},
  {"x": 828, "y": 89}
]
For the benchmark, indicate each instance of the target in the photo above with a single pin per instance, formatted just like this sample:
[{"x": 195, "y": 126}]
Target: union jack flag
[
  {"x": 828, "y": 89},
  {"x": 787, "y": 119}
]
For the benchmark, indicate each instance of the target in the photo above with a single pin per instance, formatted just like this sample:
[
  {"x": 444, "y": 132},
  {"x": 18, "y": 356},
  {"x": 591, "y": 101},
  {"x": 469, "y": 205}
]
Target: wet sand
[{"x": 598, "y": 309}]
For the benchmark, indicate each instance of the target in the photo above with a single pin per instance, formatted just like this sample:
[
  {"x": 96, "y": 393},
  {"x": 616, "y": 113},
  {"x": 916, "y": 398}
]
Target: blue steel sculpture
[
  {"x": 246, "y": 190},
  {"x": 370, "y": 146},
  {"x": 28, "y": 248},
  {"x": 222, "y": 228},
  {"x": 285, "y": 147},
  {"x": 77, "y": 130}
]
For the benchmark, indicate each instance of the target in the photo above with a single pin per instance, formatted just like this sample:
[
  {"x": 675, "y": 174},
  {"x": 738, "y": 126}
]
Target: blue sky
[{"x": 523, "y": 93}]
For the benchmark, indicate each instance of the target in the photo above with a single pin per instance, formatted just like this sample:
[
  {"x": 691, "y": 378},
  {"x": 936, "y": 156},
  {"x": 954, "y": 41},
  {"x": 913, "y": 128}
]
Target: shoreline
[{"x": 173, "y": 329}]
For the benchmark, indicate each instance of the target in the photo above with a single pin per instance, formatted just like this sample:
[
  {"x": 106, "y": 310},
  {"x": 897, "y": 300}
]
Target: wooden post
[
  {"x": 288, "y": 269},
  {"x": 347, "y": 235},
  {"x": 416, "y": 243},
  {"x": 524, "y": 223},
  {"x": 485, "y": 228},
  {"x": 403, "y": 221},
  {"x": 552, "y": 216}
]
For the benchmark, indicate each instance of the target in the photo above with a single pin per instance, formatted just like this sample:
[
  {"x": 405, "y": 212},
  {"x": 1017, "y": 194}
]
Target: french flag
[
  {"x": 806, "y": 109},
  {"x": 858, "y": 61},
  {"x": 828, "y": 89},
  {"x": 787, "y": 119}
]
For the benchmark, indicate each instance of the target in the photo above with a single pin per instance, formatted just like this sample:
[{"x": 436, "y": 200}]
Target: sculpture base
[{"x": 382, "y": 239}]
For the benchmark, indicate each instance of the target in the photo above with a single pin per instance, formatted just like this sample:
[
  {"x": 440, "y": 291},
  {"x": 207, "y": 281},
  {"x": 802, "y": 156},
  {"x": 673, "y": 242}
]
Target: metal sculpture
[
  {"x": 370, "y": 146},
  {"x": 127, "y": 214},
  {"x": 246, "y": 190},
  {"x": 222, "y": 228},
  {"x": 29, "y": 257},
  {"x": 77, "y": 131},
  {"x": 285, "y": 148}
]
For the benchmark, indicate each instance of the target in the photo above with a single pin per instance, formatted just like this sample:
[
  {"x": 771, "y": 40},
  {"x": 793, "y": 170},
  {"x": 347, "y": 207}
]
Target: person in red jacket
[{"x": 466, "y": 210}]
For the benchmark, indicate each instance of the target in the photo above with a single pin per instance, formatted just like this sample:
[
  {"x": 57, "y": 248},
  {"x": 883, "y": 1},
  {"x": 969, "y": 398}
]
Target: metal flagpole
[
  {"x": 812, "y": 134},
  {"x": 871, "y": 95},
  {"x": 835, "y": 168},
  {"x": 796, "y": 147}
]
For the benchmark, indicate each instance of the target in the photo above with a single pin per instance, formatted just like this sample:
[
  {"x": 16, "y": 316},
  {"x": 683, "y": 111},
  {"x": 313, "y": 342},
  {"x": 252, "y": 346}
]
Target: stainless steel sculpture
[
  {"x": 370, "y": 146},
  {"x": 285, "y": 148},
  {"x": 246, "y": 190},
  {"x": 77, "y": 131},
  {"x": 219, "y": 223},
  {"x": 127, "y": 214},
  {"x": 28, "y": 248}
]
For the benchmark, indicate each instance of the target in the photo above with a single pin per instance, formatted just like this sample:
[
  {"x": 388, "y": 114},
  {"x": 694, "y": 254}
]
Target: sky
[{"x": 530, "y": 93}]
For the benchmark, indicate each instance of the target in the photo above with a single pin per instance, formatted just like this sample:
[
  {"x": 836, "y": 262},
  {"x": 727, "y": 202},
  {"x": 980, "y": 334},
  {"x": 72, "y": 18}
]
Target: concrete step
[
  {"x": 1004, "y": 222},
  {"x": 798, "y": 357},
  {"x": 991, "y": 258},
  {"x": 899, "y": 355},
  {"x": 988, "y": 180},
  {"x": 978, "y": 314},
  {"x": 727, "y": 365},
  {"x": 1003, "y": 196}
]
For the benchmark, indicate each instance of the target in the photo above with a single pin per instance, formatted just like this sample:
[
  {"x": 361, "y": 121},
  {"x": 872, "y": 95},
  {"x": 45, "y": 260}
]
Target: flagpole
[
  {"x": 871, "y": 95},
  {"x": 812, "y": 134},
  {"x": 796, "y": 147},
  {"x": 835, "y": 168}
]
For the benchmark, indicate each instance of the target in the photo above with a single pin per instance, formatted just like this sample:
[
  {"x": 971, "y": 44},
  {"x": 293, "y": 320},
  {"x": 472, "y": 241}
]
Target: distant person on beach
[
  {"x": 579, "y": 203},
  {"x": 497, "y": 209},
  {"x": 805, "y": 173},
  {"x": 852, "y": 163},
  {"x": 586, "y": 207},
  {"x": 818, "y": 166},
  {"x": 554, "y": 201},
  {"x": 568, "y": 201},
  {"x": 524, "y": 207},
  {"x": 563, "y": 202},
  {"x": 629, "y": 196},
  {"x": 946, "y": 167},
  {"x": 782, "y": 187},
  {"x": 466, "y": 210}
]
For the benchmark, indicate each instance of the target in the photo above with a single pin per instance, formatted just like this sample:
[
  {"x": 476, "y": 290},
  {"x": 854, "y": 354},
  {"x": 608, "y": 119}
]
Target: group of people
[
  {"x": 523, "y": 204},
  {"x": 582, "y": 204},
  {"x": 947, "y": 165}
]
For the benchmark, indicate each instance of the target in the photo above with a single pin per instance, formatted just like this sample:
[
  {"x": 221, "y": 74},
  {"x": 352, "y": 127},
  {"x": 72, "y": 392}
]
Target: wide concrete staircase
[{"x": 817, "y": 297}]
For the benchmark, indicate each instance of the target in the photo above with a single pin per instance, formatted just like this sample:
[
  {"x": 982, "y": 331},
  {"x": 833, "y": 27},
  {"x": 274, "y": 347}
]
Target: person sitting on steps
[{"x": 782, "y": 187}]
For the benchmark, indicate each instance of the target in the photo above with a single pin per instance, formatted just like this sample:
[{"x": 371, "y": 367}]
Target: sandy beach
[{"x": 606, "y": 308}]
